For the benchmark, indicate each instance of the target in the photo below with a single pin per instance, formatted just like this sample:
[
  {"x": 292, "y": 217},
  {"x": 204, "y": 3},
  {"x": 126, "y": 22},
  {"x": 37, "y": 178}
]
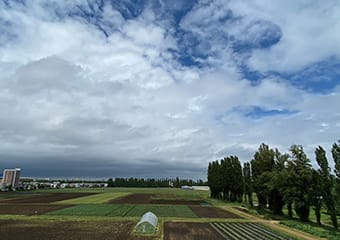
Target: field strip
[
  {"x": 261, "y": 229},
  {"x": 206, "y": 220},
  {"x": 274, "y": 225},
  {"x": 219, "y": 231},
  {"x": 234, "y": 233},
  {"x": 95, "y": 199}
]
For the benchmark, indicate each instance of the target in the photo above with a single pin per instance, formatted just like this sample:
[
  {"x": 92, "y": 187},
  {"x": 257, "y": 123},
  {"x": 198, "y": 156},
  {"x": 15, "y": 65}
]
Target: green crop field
[
  {"x": 125, "y": 210},
  {"x": 95, "y": 199}
]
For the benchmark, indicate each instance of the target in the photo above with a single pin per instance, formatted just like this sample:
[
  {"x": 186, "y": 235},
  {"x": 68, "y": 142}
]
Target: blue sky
[{"x": 160, "y": 88}]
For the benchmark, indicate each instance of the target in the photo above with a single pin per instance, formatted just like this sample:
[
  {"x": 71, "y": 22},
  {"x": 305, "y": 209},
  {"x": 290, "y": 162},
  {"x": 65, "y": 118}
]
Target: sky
[{"x": 158, "y": 88}]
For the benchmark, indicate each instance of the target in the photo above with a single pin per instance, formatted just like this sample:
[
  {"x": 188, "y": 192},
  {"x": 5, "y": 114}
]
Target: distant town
[{"x": 12, "y": 181}]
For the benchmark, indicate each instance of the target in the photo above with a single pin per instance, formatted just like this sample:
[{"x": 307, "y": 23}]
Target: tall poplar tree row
[
  {"x": 280, "y": 179},
  {"x": 225, "y": 179}
]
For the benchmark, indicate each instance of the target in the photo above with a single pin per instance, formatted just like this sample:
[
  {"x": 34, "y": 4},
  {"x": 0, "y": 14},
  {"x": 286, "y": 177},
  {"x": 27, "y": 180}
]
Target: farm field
[
  {"x": 43, "y": 198},
  {"x": 190, "y": 231},
  {"x": 125, "y": 210},
  {"x": 240, "y": 231},
  {"x": 67, "y": 230},
  {"x": 95, "y": 198},
  {"x": 147, "y": 198},
  {"x": 79, "y": 212},
  {"x": 212, "y": 212},
  {"x": 29, "y": 209}
]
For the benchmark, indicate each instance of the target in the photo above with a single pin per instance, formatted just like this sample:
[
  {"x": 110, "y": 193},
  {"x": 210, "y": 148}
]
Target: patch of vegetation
[
  {"x": 162, "y": 211},
  {"x": 125, "y": 210},
  {"x": 314, "y": 229},
  {"x": 95, "y": 199}
]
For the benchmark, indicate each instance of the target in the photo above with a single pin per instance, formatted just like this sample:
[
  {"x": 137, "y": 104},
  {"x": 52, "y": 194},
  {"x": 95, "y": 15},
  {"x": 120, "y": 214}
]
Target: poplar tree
[
  {"x": 261, "y": 166},
  {"x": 303, "y": 182},
  {"x": 248, "y": 186},
  {"x": 326, "y": 183}
]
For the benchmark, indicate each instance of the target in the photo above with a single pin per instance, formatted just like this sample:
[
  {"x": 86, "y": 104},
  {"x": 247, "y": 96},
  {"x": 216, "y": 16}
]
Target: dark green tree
[
  {"x": 236, "y": 190},
  {"x": 261, "y": 166},
  {"x": 316, "y": 196},
  {"x": 336, "y": 158},
  {"x": 303, "y": 182},
  {"x": 275, "y": 184},
  {"x": 110, "y": 182},
  {"x": 215, "y": 179},
  {"x": 227, "y": 176},
  {"x": 288, "y": 187},
  {"x": 326, "y": 183},
  {"x": 247, "y": 181}
]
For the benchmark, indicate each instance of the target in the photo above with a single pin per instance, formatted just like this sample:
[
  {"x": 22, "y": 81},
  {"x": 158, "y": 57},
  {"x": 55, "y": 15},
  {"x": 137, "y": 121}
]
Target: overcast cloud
[{"x": 160, "y": 88}]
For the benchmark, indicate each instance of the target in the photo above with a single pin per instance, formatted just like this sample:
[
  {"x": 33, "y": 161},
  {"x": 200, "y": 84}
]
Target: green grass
[
  {"x": 125, "y": 210},
  {"x": 162, "y": 211},
  {"x": 314, "y": 229},
  {"x": 95, "y": 199}
]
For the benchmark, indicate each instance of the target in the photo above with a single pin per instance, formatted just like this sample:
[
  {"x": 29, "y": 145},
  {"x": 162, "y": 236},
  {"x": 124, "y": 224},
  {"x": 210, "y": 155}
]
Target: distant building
[
  {"x": 11, "y": 178},
  {"x": 186, "y": 187},
  {"x": 201, "y": 188}
]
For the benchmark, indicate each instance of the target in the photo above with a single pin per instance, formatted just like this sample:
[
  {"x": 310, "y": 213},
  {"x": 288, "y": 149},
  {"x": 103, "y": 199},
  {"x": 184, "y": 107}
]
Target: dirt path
[{"x": 274, "y": 225}]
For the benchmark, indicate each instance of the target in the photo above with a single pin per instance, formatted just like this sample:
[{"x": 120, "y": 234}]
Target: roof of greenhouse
[{"x": 149, "y": 217}]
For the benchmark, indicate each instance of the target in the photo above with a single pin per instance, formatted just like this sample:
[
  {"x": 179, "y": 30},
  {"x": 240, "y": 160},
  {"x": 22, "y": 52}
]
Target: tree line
[
  {"x": 280, "y": 180},
  {"x": 152, "y": 182}
]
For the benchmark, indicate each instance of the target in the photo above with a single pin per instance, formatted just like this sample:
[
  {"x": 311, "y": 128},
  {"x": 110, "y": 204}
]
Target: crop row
[
  {"x": 125, "y": 210},
  {"x": 245, "y": 231}
]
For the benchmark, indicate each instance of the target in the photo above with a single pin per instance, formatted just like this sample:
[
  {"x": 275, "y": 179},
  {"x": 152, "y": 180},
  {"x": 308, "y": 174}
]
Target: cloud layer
[{"x": 139, "y": 88}]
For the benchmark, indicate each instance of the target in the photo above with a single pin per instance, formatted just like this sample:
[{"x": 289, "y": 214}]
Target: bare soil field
[
  {"x": 175, "y": 202},
  {"x": 136, "y": 198},
  {"x": 190, "y": 231},
  {"x": 29, "y": 210},
  {"x": 213, "y": 212},
  {"x": 144, "y": 198},
  {"x": 67, "y": 230},
  {"x": 46, "y": 198}
]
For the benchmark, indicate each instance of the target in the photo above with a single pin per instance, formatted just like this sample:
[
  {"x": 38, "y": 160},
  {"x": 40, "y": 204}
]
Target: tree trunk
[
  {"x": 317, "y": 213},
  {"x": 290, "y": 209}
]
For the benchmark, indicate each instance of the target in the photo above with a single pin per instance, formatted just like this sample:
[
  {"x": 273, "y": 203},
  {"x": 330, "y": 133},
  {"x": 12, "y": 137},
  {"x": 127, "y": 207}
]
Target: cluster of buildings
[
  {"x": 10, "y": 179},
  {"x": 11, "y": 182}
]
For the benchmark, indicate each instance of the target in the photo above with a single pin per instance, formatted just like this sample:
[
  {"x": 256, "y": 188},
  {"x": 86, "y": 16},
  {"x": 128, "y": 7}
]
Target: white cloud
[
  {"x": 67, "y": 90},
  {"x": 309, "y": 32}
]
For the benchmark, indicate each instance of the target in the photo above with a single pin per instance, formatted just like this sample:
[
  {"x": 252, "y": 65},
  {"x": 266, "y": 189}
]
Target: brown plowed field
[
  {"x": 67, "y": 230},
  {"x": 175, "y": 202},
  {"x": 29, "y": 210},
  {"x": 136, "y": 198},
  {"x": 190, "y": 231},
  {"x": 144, "y": 198},
  {"x": 212, "y": 212},
  {"x": 46, "y": 198}
]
